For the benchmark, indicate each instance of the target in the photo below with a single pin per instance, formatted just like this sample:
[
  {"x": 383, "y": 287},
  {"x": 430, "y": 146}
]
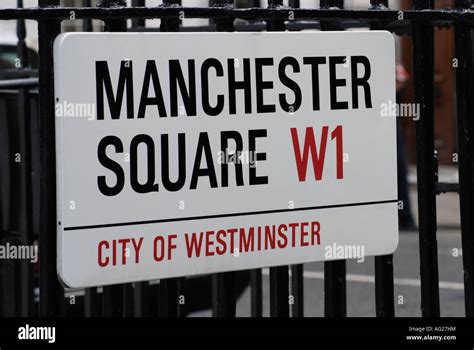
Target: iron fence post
[
  {"x": 423, "y": 73},
  {"x": 51, "y": 293}
]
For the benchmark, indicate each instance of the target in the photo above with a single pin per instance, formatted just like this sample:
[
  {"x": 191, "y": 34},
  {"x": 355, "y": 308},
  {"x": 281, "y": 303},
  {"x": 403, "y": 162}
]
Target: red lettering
[
  {"x": 171, "y": 245},
  {"x": 103, "y": 262},
  {"x": 293, "y": 226},
  {"x": 159, "y": 254},
  {"x": 246, "y": 244},
  {"x": 309, "y": 146},
  {"x": 337, "y": 134},
  {"x": 124, "y": 242},
  {"x": 220, "y": 250},
  {"x": 304, "y": 234},
  {"x": 114, "y": 252},
  {"x": 283, "y": 241},
  {"x": 270, "y": 237},
  {"x": 137, "y": 246},
  {"x": 315, "y": 228},
  {"x": 209, "y": 243},
  {"x": 193, "y": 244}
]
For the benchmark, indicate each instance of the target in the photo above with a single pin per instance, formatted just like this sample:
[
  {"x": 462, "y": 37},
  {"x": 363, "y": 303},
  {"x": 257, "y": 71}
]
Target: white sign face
[{"x": 182, "y": 154}]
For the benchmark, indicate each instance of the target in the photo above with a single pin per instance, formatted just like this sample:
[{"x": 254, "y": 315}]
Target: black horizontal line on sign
[{"x": 204, "y": 217}]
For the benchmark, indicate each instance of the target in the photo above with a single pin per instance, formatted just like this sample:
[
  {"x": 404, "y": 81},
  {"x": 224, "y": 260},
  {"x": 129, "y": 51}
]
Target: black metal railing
[{"x": 140, "y": 299}]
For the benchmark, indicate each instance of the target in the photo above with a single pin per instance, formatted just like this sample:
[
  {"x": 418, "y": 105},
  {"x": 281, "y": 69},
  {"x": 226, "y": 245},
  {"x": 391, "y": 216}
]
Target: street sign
[{"x": 188, "y": 153}]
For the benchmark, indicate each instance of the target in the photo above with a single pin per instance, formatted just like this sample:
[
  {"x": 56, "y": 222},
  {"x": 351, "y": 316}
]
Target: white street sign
[{"x": 182, "y": 154}]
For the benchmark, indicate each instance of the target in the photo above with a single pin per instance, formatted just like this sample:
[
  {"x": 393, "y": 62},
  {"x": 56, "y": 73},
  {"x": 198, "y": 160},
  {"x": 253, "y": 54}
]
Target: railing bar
[
  {"x": 91, "y": 303},
  {"x": 112, "y": 301},
  {"x": 137, "y": 21},
  {"x": 279, "y": 283},
  {"x": 334, "y": 271},
  {"x": 384, "y": 288},
  {"x": 423, "y": 74},
  {"x": 169, "y": 288},
  {"x": 447, "y": 16},
  {"x": 256, "y": 309},
  {"x": 113, "y": 296},
  {"x": 168, "y": 298},
  {"x": 297, "y": 290},
  {"x": 224, "y": 300},
  {"x": 87, "y": 22},
  {"x": 384, "y": 284},
  {"x": 465, "y": 126},
  {"x": 51, "y": 292}
]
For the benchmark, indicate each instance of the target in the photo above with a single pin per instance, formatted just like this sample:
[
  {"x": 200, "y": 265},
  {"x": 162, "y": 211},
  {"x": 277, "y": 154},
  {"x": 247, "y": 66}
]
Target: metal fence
[{"x": 29, "y": 186}]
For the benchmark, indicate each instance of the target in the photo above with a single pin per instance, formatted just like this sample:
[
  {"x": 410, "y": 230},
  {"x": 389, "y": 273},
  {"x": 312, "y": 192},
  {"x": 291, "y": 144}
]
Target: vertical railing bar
[
  {"x": 138, "y": 22},
  {"x": 334, "y": 271},
  {"x": 91, "y": 297},
  {"x": 114, "y": 25},
  {"x": 297, "y": 290},
  {"x": 378, "y": 4},
  {"x": 51, "y": 292},
  {"x": 279, "y": 296},
  {"x": 128, "y": 300},
  {"x": 141, "y": 299},
  {"x": 91, "y": 303},
  {"x": 331, "y": 4},
  {"x": 279, "y": 293},
  {"x": 384, "y": 288},
  {"x": 113, "y": 295},
  {"x": 87, "y": 23},
  {"x": 182, "y": 308},
  {"x": 168, "y": 299},
  {"x": 256, "y": 309},
  {"x": 465, "y": 126},
  {"x": 170, "y": 24},
  {"x": 275, "y": 25},
  {"x": 294, "y": 3},
  {"x": 423, "y": 74},
  {"x": 335, "y": 288},
  {"x": 224, "y": 302},
  {"x": 223, "y": 296},
  {"x": 26, "y": 288},
  {"x": 112, "y": 301},
  {"x": 384, "y": 285}
]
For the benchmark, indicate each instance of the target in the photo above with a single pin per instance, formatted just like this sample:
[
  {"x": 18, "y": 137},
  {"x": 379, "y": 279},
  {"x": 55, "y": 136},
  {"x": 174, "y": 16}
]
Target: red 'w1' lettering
[
  {"x": 193, "y": 244},
  {"x": 317, "y": 157}
]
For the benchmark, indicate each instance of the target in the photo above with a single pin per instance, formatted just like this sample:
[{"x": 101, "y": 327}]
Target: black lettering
[
  {"x": 151, "y": 74},
  {"x": 125, "y": 81},
  {"x": 203, "y": 146},
  {"x": 239, "y": 85},
  {"x": 239, "y": 176},
  {"x": 261, "y": 85},
  {"x": 149, "y": 185},
  {"x": 188, "y": 95},
  {"x": 111, "y": 165},
  {"x": 253, "y": 178},
  {"x": 363, "y": 81},
  {"x": 206, "y": 106},
  {"x": 335, "y": 83},
  {"x": 165, "y": 163},
  {"x": 315, "y": 62},
  {"x": 290, "y": 84}
]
